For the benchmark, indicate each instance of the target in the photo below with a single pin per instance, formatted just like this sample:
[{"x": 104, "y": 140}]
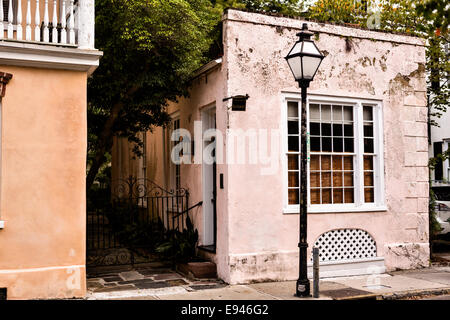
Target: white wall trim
[
  {"x": 337, "y": 208},
  {"x": 40, "y": 269},
  {"x": 50, "y": 57},
  {"x": 2, "y": 224}
]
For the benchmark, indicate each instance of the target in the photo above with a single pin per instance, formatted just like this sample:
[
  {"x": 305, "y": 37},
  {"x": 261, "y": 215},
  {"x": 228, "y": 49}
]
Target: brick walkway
[{"x": 153, "y": 275}]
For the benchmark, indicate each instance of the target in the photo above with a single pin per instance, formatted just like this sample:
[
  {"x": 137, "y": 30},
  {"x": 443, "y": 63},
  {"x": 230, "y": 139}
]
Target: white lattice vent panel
[{"x": 346, "y": 244}]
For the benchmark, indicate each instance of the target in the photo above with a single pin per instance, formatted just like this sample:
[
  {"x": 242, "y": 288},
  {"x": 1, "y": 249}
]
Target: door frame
[{"x": 209, "y": 189}]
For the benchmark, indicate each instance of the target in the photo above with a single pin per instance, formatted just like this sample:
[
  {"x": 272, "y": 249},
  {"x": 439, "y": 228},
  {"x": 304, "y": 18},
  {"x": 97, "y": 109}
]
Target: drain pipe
[{"x": 316, "y": 272}]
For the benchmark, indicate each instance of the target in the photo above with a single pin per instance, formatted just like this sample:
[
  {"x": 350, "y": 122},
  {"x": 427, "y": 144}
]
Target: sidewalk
[{"x": 395, "y": 285}]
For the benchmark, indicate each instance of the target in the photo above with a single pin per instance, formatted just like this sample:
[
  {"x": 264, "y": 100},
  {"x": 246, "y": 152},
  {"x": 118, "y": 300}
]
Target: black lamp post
[{"x": 304, "y": 60}]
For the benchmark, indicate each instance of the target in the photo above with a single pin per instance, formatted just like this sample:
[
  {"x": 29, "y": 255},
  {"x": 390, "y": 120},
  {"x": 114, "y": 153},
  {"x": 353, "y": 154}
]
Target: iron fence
[{"x": 138, "y": 216}]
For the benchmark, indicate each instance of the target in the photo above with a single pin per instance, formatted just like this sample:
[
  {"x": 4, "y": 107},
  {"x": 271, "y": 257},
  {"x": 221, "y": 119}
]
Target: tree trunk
[
  {"x": 99, "y": 159},
  {"x": 105, "y": 138},
  {"x": 105, "y": 143}
]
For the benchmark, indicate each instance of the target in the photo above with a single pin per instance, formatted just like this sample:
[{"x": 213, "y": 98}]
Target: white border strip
[
  {"x": 136, "y": 293},
  {"x": 38, "y": 56},
  {"x": 40, "y": 269}
]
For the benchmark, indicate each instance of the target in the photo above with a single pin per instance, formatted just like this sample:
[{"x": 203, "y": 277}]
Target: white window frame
[
  {"x": 173, "y": 176},
  {"x": 359, "y": 205}
]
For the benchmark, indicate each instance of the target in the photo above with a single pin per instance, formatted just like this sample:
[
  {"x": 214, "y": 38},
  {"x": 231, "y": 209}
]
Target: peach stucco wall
[
  {"x": 256, "y": 240},
  {"x": 43, "y": 169},
  {"x": 207, "y": 90}
]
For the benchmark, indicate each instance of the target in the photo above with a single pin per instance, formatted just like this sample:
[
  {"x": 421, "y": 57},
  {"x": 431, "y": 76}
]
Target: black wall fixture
[{"x": 239, "y": 103}]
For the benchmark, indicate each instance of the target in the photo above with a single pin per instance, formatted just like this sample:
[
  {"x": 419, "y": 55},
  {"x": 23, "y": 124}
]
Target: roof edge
[
  {"x": 298, "y": 19},
  {"x": 206, "y": 67}
]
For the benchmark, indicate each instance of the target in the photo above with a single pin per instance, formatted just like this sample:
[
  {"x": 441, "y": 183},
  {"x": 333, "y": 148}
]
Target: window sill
[
  {"x": 2, "y": 224},
  {"x": 337, "y": 209}
]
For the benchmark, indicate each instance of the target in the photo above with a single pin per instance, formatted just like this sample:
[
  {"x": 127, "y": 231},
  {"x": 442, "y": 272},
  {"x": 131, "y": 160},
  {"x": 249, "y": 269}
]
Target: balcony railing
[{"x": 43, "y": 21}]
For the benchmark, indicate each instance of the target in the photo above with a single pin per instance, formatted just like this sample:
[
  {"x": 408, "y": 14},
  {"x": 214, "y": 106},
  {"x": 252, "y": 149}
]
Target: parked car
[{"x": 443, "y": 215}]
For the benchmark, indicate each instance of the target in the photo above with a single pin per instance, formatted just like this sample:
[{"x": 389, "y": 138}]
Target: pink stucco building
[{"x": 368, "y": 173}]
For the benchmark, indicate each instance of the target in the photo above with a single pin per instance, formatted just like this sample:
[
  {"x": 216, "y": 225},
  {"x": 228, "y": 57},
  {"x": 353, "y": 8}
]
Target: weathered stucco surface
[
  {"x": 359, "y": 64},
  {"x": 256, "y": 241},
  {"x": 43, "y": 170}
]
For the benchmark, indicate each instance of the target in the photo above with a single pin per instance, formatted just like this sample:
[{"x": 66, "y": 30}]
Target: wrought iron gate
[{"x": 139, "y": 216}]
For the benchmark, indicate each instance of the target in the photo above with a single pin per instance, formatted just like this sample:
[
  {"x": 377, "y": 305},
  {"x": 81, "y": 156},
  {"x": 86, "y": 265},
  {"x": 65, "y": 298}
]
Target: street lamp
[{"x": 304, "y": 60}]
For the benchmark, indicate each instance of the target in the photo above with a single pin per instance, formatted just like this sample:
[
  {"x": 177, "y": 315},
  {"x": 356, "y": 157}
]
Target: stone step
[{"x": 198, "y": 270}]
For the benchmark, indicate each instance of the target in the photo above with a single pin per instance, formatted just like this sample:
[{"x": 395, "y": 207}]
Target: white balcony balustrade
[{"x": 71, "y": 23}]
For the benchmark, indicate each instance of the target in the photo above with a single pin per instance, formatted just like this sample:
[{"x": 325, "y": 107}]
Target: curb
[
  {"x": 417, "y": 293},
  {"x": 374, "y": 296},
  {"x": 399, "y": 295}
]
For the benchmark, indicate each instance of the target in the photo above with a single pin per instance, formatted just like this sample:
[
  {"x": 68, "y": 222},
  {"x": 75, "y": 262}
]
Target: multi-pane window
[
  {"x": 345, "y": 165},
  {"x": 369, "y": 154},
  {"x": 293, "y": 152},
  {"x": 332, "y": 154}
]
